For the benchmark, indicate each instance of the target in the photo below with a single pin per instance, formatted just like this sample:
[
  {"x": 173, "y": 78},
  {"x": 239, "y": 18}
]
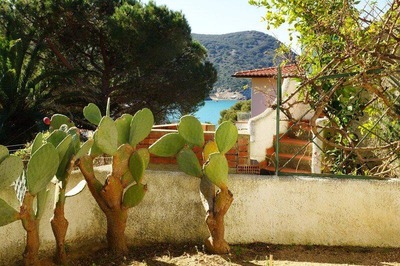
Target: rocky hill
[{"x": 237, "y": 51}]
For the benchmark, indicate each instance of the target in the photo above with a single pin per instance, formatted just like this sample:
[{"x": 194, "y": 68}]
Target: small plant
[
  {"x": 123, "y": 187},
  {"x": 31, "y": 189},
  {"x": 214, "y": 171}
]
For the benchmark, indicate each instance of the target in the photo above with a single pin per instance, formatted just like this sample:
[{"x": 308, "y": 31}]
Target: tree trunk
[
  {"x": 31, "y": 225},
  {"x": 116, "y": 224},
  {"x": 216, "y": 243},
  {"x": 60, "y": 225}
]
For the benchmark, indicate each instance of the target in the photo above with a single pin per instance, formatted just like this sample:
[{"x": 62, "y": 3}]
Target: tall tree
[
  {"x": 351, "y": 60},
  {"x": 139, "y": 55}
]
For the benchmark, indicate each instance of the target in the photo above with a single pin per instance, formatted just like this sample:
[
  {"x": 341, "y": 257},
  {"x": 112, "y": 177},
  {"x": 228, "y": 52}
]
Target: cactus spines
[
  {"x": 10, "y": 169},
  {"x": 106, "y": 137},
  {"x": 191, "y": 130},
  {"x": 7, "y": 213},
  {"x": 92, "y": 113},
  {"x": 216, "y": 169},
  {"x": 226, "y": 136},
  {"x": 188, "y": 162},
  {"x": 123, "y": 124},
  {"x": 134, "y": 195},
  {"x": 41, "y": 168},
  {"x": 138, "y": 163},
  {"x": 141, "y": 125},
  {"x": 168, "y": 145}
]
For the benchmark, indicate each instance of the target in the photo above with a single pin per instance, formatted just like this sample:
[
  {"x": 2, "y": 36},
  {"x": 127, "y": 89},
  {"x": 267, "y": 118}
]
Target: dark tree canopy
[{"x": 138, "y": 55}]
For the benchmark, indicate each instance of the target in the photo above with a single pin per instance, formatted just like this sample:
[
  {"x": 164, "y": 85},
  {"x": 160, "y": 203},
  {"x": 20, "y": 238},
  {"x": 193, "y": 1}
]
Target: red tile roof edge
[{"x": 287, "y": 71}]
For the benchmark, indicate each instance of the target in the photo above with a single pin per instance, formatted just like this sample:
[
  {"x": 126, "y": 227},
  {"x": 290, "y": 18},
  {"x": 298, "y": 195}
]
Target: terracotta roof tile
[{"x": 287, "y": 71}]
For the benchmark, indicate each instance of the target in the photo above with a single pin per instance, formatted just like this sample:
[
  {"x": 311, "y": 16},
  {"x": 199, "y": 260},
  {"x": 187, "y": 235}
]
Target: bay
[{"x": 210, "y": 112}]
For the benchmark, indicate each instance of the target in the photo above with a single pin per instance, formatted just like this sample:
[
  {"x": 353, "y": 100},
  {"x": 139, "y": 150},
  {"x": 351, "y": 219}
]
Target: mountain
[{"x": 237, "y": 51}]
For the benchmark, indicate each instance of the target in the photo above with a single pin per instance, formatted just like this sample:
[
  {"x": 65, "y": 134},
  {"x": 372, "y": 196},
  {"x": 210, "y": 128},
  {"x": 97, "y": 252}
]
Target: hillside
[{"x": 237, "y": 51}]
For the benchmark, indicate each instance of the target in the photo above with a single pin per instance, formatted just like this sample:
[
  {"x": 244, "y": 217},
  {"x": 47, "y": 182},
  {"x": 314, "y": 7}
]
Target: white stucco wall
[{"x": 284, "y": 210}]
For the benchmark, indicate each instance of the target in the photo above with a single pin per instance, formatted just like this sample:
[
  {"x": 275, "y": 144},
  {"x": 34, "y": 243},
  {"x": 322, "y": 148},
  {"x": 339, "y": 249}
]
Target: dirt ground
[{"x": 246, "y": 255}]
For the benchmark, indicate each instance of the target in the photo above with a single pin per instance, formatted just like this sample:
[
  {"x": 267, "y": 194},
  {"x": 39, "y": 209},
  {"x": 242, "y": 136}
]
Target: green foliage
[
  {"x": 188, "y": 163},
  {"x": 216, "y": 166},
  {"x": 10, "y": 169},
  {"x": 168, "y": 145},
  {"x": 7, "y": 213},
  {"x": 141, "y": 125},
  {"x": 226, "y": 136},
  {"x": 92, "y": 113},
  {"x": 231, "y": 113},
  {"x": 58, "y": 120},
  {"x": 232, "y": 52},
  {"x": 134, "y": 195},
  {"x": 138, "y": 163},
  {"x": 191, "y": 130},
  {"x": 123, "y": 124},
  {"x": 41, "y": 168},
  {"x": 216, "y": 169},
  {"x": 106, "y": 138}
]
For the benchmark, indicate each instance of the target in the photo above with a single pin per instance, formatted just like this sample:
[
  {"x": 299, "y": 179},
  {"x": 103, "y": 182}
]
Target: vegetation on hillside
[
  {"x": 231, "y": 114},
  {"x": 237, "y": 51}
]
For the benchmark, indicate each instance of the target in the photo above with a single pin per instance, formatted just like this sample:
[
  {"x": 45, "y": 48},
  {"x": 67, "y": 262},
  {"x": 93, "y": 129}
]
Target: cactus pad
[
  {"x": 138, "y": 164},
  {"x": 191, "y": 130},
  {"x": 209, "y": 148},
  {"x": 216, "y": 169},
  {"x": 107, "y": 136},
  {"x": 56, "y": 137},
  {"x": 58, "y": 120},
  {"x": 84, "y": 149},
  {"x": 10, "y": 169},
  {"x": 42, "y": 197},
  {"x": 134, "y": 195},
  {"x": 188, "y": 163},
  {"x": 41, "y": 168},
  {"x": 123, "y": 124},
  {"x": 63, "y": 147},
  {"x": 37, "y": 142},
  {"x": 92, "y": 113},
  {"x": 141, "y": 125},
  {"x": 3, "y": 153},
  {"x": 168, "y": 145},
  {"x": 7, "y": 213},
  {"x": 226, "y": 136}
]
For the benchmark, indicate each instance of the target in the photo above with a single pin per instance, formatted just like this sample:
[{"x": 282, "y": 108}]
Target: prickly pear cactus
[{"x": 190, "y": 133}]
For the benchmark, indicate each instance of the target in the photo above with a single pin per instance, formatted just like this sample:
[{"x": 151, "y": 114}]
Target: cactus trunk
[
  {"x": 216, "y": 243},
  {"x": 31, "y": 225},
  {"x": 116, "y": 224},
  {"x": 59, "y": 225}
]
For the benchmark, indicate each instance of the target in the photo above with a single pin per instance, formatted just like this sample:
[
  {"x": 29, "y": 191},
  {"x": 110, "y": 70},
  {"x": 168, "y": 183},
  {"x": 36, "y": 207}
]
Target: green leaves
[
  {"x": 123, "y": 125},
  {"x": 7, "y": 213},
  {"x": 216, "y": 169},
  {"x": 92, "y": 113},
  {"x": 141, "y": 125},
  {"x": 191, "y": 130},
  {"x": 188, "y": 163},
  {"x": 138, "y": 164},
  {"x": 58, "y": 120},
  {"x": 134, "y": 195},
  {"x": 41, "y": 168},
  {"x": 106, "y": 137},
  {"x": 10, "y": 169},
  {"x": 168, "y": 145},
  {"x": 226, "y": 136}
]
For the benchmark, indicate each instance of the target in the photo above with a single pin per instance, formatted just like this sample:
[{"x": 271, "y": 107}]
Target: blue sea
[{"x": 211, "y": 109}]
